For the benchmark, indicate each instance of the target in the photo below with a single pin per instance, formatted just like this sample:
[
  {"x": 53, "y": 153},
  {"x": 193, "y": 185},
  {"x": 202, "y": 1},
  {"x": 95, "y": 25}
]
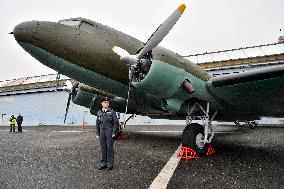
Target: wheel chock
[
  {"x": 119, "y": 137},
  {"x": 210, "y": 151},
  {"x": 187, "y": 153}
]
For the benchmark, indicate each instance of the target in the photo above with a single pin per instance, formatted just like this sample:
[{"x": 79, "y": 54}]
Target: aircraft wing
[{"x": 259, "y": 92}]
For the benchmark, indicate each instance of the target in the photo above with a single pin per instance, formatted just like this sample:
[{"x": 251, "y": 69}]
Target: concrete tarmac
[{"x": 67, "y": 157}]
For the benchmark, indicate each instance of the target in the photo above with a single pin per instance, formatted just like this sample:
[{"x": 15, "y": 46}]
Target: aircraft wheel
[{"x": 192, "y": 137}]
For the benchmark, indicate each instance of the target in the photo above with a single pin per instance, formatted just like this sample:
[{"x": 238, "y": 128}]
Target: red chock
[
  {"x": 119, "y": 137},
  {"x": 210, "y": 151},
  {"x": 187, "y": 153}
]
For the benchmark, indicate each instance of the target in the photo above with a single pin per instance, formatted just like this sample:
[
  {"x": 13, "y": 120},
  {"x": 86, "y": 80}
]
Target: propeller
[
  {"x": 153, "y": 41},
  {"x": 134, "y": 61},
  {"x": 70, "y": 88}
]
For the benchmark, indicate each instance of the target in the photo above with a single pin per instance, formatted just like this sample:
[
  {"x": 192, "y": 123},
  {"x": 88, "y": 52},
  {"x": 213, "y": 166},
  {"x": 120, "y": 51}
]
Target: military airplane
[{"x": 149, "y": 79}]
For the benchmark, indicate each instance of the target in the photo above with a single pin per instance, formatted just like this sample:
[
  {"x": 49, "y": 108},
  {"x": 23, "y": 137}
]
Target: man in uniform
[{"x": 107, "y": 127}]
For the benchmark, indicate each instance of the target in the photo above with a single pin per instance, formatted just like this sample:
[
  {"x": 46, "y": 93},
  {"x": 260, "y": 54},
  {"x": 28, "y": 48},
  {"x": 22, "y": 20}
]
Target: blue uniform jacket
[{"x": 107, "y": 120}]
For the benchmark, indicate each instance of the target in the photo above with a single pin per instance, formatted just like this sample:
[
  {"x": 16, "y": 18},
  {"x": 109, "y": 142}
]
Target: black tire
[{"x": 189, "y": 138}]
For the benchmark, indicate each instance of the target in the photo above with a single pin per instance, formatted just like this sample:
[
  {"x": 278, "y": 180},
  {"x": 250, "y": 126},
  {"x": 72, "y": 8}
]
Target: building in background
[{"x": 42, "y": 100}]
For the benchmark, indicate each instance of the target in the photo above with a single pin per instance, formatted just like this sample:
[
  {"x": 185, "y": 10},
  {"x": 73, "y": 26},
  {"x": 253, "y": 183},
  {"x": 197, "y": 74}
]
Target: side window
[{"x": 87, "y": 27}]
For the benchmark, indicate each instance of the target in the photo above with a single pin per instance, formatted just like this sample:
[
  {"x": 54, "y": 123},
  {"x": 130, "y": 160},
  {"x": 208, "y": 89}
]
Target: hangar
[{"x": 42, "y": 99}]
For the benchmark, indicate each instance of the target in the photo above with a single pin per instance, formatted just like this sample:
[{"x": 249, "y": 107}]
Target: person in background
[
  {"x": 12, "y": 121},
  {"x": 19, "y": 122}
]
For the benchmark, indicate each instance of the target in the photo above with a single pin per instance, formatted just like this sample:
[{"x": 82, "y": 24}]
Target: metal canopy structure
[
  {"x": 245, "y": 53},
  {"x": 36, "y": 82}
]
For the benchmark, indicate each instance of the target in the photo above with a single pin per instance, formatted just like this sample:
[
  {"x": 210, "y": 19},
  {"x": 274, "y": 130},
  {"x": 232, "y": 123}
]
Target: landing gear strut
[{"x": 196, "y": 136}]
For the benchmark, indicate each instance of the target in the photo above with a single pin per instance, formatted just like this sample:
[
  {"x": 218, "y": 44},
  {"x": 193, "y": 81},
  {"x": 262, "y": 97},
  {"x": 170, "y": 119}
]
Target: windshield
[{"x": 75, "y": 23}]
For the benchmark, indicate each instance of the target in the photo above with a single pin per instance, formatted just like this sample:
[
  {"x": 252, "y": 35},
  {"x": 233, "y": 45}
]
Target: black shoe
[
  {"x": 109, "y": 168},
  {"x": 102, "y": 167}
]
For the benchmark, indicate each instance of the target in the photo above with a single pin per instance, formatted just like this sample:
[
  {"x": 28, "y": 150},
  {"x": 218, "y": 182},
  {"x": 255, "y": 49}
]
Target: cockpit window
[
  {"x": 83, "y": 24},
  {"x": 87, "y": 27},
  {"x": 75, "y": 23}
]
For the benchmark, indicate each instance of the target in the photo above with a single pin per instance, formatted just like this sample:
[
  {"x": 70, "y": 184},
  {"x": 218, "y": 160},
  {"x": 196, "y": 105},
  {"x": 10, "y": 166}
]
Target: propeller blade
[
  {"x": 120, "y": 51},
  {"x": 67, "y": 107},
  {"x": 70, "y": 88},
  {"x": 161, "y": 31},
  {"x": 75, "y": 85}
]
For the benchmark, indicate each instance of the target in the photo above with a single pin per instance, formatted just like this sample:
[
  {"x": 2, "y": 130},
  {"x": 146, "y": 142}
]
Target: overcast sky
[{"x": 205, "y": 26}]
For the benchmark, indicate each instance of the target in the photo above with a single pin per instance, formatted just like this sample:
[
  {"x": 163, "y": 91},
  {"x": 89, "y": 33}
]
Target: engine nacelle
[
  {"x": 169, "y": 84},
  {"x": 90, "y": 98},
  {"x": 84, "y": 98}
]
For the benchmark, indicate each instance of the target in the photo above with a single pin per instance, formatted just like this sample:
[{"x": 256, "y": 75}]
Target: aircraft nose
[
  {"x": 26, "y": 32},
  {"x": 54, "y": 44}
]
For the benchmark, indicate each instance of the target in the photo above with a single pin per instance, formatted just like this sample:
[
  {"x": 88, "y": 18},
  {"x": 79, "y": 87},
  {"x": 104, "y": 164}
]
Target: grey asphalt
[{"x": 50, "y": 157}]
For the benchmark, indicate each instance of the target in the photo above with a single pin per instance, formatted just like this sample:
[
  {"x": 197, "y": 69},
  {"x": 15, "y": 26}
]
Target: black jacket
[{"x": 20, "y": 119}]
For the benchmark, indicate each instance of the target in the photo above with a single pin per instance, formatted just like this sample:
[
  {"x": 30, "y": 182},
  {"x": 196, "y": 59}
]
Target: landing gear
[
  {"x": 120, "y": 136},
  {"x": 193, "y": 137},
  {"x": 196, "y": 136},
  {"x": 252, "y": 124}
]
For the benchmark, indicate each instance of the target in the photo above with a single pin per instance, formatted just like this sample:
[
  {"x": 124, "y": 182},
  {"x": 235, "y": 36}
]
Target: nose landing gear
[{"x": 196, "y": 136}]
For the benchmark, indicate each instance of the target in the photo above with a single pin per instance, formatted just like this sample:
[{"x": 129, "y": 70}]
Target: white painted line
[
  {"x": 182, "y": 131},
  {"x": 134, "y": 131},
  {"x": 158, "y": 131},
  {"x": 67, "y": 131},
  {"x": 163, "y": 178},
  {"x": 16, "y": 131}
]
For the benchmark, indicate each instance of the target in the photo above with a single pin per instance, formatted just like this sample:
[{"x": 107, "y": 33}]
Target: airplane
[{"x": 148, "y": 79}]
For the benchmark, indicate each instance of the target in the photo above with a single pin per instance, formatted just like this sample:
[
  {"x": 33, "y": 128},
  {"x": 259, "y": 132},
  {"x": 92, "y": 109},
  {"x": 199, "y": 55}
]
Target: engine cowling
[
  {"x": 90, "y": 98},
  {"x": 170, "y": 84},
  {"x": 84, "y": 98}
]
